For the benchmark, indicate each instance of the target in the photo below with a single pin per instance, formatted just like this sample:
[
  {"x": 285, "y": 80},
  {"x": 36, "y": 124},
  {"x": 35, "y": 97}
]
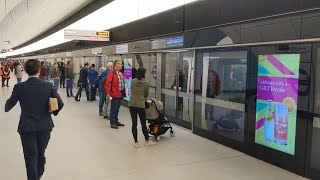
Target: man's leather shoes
[
  {"x": 120, "y": 124},
  {"x": 114, "y": 126}
]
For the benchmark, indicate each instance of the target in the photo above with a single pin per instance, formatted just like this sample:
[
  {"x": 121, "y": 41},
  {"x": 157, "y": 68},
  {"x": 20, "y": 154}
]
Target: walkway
[{"x": 84, "y": 147}]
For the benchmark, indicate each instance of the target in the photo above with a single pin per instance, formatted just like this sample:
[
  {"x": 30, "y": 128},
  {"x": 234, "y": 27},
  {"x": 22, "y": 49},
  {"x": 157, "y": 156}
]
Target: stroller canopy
[{"x": 158, "y": 104}]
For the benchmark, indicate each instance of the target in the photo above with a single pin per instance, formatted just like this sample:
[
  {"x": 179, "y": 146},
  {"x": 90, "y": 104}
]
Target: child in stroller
[{"x": 158, "y": 124}]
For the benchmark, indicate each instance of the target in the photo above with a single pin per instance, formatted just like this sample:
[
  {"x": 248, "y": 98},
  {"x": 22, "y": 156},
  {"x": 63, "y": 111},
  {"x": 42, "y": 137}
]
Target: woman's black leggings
[{"x": 134, "y": 111}]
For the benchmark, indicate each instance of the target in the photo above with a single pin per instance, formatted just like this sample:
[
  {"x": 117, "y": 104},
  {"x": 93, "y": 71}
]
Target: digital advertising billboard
[{"x": 277, "y": 98}]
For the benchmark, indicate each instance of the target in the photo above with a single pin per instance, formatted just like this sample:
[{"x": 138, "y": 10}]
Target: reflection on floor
[{"x": 84, "y": 147}]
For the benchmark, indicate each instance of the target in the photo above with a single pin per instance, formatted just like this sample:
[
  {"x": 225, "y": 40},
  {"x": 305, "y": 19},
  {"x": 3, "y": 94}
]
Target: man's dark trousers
[{"x": 34, "y": 145}]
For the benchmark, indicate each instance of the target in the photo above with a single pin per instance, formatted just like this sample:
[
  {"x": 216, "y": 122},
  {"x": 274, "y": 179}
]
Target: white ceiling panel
[{"x": 23, "y": 20}]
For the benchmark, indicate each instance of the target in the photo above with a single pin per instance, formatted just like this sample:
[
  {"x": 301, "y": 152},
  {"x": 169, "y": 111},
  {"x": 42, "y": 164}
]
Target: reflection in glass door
[
  {"x": 220, "y": 86},
  {"x": 148, "y": 61},
  {"x": 176, "y": 85}
]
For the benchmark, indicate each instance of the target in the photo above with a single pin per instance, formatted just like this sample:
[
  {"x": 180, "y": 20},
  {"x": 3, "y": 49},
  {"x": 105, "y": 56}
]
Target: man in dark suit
[
  {"x": 83, "y": 82},
  {"x": 35, "y": 124}
]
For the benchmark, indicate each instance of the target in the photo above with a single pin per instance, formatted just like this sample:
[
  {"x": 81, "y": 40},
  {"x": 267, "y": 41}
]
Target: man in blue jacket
[
  {"x": 35, "y": 124},
  {"x": 102, "y": 92},
  {"x": 93, "y": 77}
]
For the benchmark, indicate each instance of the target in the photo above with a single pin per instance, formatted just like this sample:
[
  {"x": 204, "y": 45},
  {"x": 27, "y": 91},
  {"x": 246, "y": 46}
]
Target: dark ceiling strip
[{"x": 90, "y": 8}]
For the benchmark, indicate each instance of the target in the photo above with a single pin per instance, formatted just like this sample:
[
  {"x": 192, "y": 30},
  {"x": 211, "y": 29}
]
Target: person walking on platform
[
  {"x": 43, "y": 72},
  {"x": 62, "y": 69},
  {"x": 139, "y": 95},
  {"x": 93, "y": 81},
  {"x": 83, "y": 82},
  {"x": 1, "y": 74},
  {"x": 18, "y": 71},
  {"x": 115, "y": 88},
  {"x": 55, "y": 75},
  {"x": 36, "y": 123},
  {"x": 69, "y": 78},
  {"x": 6, "y": 75}
]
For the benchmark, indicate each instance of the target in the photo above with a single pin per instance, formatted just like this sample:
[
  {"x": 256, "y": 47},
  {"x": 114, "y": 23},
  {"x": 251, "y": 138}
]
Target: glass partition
[{"x": 220, "y": 87}]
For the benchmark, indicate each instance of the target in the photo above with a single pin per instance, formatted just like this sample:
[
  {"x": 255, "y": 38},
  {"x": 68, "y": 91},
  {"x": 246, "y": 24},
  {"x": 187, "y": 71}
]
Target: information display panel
[{"x": 277, "y": 96}]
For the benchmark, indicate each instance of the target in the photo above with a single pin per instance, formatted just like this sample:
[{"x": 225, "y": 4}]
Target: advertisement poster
[
  {"x": 277, "y": 95},
  {"x": 127, "y": 77}
]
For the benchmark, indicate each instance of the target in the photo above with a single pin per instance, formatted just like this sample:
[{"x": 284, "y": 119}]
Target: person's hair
[
  {"x": 42, "y": 62},
  {"x": 116, "y": 61},
  {"x": 93, "y": 65},
  {"x": 110, "y": 64},
  {"x": 86, "y": 64},
  {"x": 6, "y": 68},
  {"x": 68, "y": 63},
  {"x": 102, "y": 69},
  {"x": 141, "y": 73},
  {"x": 32, "y": 67}
]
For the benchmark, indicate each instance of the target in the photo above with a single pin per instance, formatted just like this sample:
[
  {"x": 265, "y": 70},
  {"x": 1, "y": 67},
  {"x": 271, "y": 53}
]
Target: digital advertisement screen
[
  {"x": 277, "y": 95},
  {"x": 127, "y": 77}
]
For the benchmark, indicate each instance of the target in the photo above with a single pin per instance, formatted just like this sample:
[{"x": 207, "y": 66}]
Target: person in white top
[{"x": 18, "y": 71}]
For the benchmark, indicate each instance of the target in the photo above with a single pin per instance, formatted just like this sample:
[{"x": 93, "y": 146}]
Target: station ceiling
[{"x": 23, "y": 20}]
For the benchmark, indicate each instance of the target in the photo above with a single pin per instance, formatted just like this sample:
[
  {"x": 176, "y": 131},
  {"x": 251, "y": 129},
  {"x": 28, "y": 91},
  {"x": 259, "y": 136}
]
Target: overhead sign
[
  {"x": 86, "y": 35},
  {"x": 122, "y": 48},
  {"x": 174, "y": 42},
  {"x": 6, "y": 50}
]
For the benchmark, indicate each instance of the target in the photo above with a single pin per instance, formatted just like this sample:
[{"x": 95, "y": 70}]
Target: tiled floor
[{"x": 84, "y": 147}]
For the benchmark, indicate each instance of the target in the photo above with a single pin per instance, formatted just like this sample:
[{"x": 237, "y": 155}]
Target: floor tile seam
[{"x": 210, "y": 160}]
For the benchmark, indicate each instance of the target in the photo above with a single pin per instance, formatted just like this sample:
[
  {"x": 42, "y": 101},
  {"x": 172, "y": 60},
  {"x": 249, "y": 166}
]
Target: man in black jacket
[
  {"x": 35, "y": 124},
  {"x": 83, "y": 82}
]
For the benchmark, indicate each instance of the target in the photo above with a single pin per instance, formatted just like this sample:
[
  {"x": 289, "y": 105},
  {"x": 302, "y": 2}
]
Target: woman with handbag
[{"x": 139, "y": 95}]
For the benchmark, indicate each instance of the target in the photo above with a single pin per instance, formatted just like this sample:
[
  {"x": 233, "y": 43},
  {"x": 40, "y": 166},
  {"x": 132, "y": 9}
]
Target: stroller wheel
[
  {"x": 172, "y": 133},
  {"x": 157, "y": 138},
  {"x": 214, "y": 127}
]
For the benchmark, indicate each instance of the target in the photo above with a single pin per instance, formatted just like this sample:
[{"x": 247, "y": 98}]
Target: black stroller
[{"x": 158, "y": 124}]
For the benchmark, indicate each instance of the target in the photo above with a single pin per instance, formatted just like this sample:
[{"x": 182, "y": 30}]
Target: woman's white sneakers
[{"x": 147, "y": 143}]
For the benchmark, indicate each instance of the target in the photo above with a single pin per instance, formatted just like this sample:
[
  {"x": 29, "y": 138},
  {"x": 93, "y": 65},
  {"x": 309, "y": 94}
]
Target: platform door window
[
  {"x": 315, "y": 149},
  {"x": 220, "y": 86}
]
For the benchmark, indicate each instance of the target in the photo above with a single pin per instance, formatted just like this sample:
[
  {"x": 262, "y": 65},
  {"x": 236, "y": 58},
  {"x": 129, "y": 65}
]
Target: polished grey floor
[{"x": 84, "y": 147}]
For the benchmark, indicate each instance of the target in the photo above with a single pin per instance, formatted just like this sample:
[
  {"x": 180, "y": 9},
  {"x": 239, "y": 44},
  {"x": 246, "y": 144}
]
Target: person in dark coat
[
  {"x": 35, "y": 124},
  {"x": 83, "y": 82}
]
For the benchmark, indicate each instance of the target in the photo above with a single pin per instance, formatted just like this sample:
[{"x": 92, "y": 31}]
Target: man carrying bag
[{"x": 36, "y": 98}]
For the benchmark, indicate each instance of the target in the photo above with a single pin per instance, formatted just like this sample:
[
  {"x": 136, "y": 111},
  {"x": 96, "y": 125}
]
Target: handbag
[{"x": 53, "y": 104}]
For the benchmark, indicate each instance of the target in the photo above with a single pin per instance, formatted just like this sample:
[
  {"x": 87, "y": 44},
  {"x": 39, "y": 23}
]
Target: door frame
[
  {"x": 309, "y": 171},
  {"x": 161, "y": 60}
]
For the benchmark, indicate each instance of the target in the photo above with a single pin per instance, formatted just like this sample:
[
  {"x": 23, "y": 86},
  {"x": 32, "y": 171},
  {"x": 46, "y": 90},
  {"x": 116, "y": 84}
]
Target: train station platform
[{"x": 84, "y": 147}]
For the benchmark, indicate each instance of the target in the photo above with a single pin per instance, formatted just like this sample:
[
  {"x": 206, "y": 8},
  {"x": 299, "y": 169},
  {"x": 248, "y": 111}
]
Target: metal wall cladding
[
  {"x": 158, "y": 25},
  {"x": 215, "y": 12}
]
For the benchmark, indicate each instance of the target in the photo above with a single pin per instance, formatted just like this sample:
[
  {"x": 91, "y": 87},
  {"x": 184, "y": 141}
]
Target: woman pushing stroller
[{"x": 139, "y": 95}]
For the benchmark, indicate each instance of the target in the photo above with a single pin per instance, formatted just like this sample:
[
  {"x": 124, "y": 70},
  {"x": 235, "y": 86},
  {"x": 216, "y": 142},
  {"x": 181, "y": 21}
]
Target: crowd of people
[
  {"x": 6, "y": 70},
  {"x": 36, "y": 124}
]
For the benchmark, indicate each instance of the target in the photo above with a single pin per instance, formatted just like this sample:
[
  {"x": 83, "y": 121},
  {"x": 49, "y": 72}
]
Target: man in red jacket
[{"x": 115, "y": 88}]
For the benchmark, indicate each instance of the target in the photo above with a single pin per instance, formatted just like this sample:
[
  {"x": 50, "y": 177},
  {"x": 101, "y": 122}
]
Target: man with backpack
[{"x": 102, "y": 78}]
